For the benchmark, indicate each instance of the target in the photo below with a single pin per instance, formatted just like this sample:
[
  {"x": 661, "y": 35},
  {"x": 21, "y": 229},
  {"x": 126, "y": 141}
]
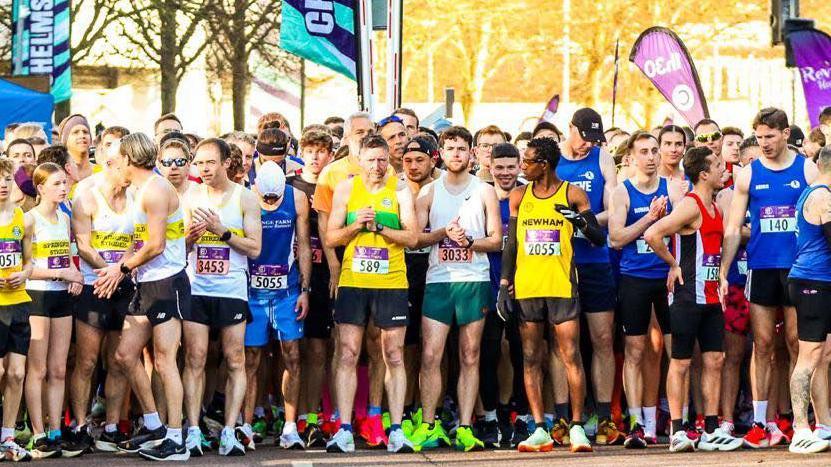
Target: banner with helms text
[
  {"x": 40, "y": 43},
  {"x": 321, "y": 31},
  {"x": 662, "y": 57},
  {"x": 812, "y": 55}
]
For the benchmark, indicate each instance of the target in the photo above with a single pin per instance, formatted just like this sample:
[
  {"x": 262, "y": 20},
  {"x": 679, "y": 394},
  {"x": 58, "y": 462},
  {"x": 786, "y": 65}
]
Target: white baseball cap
[{"x": 271, "y": 181}]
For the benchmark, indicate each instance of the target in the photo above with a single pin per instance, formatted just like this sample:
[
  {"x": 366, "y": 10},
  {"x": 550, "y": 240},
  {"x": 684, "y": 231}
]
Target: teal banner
[
  {"x": 40, "y": 43},
  {"x": 322, "y": 32}
]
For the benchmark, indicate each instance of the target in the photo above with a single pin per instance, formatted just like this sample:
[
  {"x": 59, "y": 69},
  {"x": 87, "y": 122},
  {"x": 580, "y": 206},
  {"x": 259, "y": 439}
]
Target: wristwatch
[
  {"x": 305, "y": 290},
  {"x": 226, "y": 236},
  {"x": 379, "y": 228},
  {"x": 124, "y": 269},
  {"x": 469, "y": 242}
]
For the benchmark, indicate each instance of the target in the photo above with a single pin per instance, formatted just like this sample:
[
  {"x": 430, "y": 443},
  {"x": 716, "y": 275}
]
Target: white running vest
[
  {"x": 450, "y": 262},
  {"x": 50, "y": 249},
  {"x": 173, "y": 258},
  {"x": 111, "y": 232},
  {"x": 214, "y": 268}
]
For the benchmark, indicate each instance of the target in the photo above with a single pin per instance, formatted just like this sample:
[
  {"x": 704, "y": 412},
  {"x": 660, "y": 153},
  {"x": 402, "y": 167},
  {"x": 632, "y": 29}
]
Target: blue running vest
[
  {"x": 637, "y": 259},
  {"x": 586, "y": 174},
  {"x": 813, "y": 255},
  {"x": 275, "y": 270}
]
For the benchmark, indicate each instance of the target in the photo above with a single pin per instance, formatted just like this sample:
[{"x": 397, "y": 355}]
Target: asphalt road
[{"x": 267, "y": 455}]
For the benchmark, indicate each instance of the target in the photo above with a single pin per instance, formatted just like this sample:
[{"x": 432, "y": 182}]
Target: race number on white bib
[
  {"x": 542, "y": 242},
  {"x": 710, "y": 265},
  {"x": 644, "y": 248},
  {"x": 371, "y": 260},
  {"x": 270, "y": 277},
  {"x": 777, "y": 219}
]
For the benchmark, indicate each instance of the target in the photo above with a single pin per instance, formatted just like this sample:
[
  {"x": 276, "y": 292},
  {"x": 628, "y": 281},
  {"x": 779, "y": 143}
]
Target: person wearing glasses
[
  {"x": 395, "y": 133},
  {"x": 483, "y": 144},
  {"x": 165, "y": 124},
  {"x": 768, "y": 190},
  {"x": 173, "y": 162},
  {"x": 543, "y": 218},
  {"x": 708, "y": 133},
  {"x": 223, "y": 230},
  {"x": 586, "y": 165}
]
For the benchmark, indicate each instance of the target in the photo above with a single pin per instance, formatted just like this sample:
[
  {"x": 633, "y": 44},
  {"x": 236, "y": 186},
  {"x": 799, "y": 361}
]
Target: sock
[
  {"x": 561, "y": 410},
  {"x": 124, "y": 426},
  {"x": 194, "y": 430},
  {"x": 635, "y": 412},
  {"x": 152, "y": 421},
  {"x": 289, "y": 427},
  {"x": 490, "y": 415},
  {"x": 175, "y": 434},
  {"x": 550, "y": 417},
  {"x": 110, "y": 428},
  {"x": 760, "y": 409},
  {"x": 395, "y": 426},
  {"x": 259, "y": 411},
  {"x": 301, "y": 417},
  {"x": 311, "y": 418},
  {"x": 373, "y": 411},
  {"x": 677, "y": 425},
  {"x": 710, "y": 423},
  {"x": 6, "y": 433},
  {"x": 54, "y": 434},
  {"x": 650, "y": 421},
  {"x": 604, "y": 410},
  {"x": 685, "y": 414},
  {"x": 409, "y": 409},
  {"x": 346, "y": 426},
  {"x": 786, "y": 416}
]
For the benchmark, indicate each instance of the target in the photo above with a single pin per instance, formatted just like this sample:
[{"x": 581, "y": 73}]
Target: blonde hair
[
  {"x": 42, "y": 173},
  {"x": 139, "y": 149},
  {"x": 29, "y": 130},
  {"x": 6, "y": 166}
]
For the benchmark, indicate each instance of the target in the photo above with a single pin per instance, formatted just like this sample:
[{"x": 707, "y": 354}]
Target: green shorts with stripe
[{"x": 466, "y": 302}]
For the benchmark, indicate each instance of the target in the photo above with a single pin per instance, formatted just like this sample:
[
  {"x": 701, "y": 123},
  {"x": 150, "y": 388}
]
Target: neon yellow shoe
[
  {"x": 429, "y": 437},
  {"x": 465, "y": 441}
]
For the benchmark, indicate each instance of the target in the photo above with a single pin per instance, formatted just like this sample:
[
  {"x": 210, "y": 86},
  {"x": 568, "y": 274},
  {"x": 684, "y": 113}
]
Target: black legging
[{"x": 490, "y": 353}]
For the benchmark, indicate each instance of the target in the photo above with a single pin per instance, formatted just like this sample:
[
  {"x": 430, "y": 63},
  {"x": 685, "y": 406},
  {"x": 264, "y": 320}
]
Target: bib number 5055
[{"x": 268, "y": 282}]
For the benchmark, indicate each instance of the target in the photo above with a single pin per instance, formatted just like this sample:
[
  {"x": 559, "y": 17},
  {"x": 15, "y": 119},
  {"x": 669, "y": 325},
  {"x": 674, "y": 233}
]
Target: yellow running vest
[
  {"x": 11, "y": 258},
  {"x": 369, "y": 261},
  {"x": 544, "y": 263}
]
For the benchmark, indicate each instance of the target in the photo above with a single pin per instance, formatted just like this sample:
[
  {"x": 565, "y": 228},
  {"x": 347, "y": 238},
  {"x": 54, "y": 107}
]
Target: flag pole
[{"x": 614, "y": 84}]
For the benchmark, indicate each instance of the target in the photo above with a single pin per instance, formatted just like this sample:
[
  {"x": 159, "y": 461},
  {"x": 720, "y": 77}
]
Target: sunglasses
[
  {"x": 708, "y": 137},
  {"x": 179, "y": 162}
]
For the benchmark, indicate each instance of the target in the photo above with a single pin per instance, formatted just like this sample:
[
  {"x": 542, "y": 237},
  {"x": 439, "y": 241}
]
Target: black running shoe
[
  {"x": 45, "y": 448},
  {"x": 490, "y": 434},
  {"x": 108, "y": 442},
  {"x": 314, "y": 437},
  {"x": 169, "y": 450},
  {"x": 520, "y": 432},
  {"x": 144, "y": 439},
  {"x": 635, "y": 438},
  {"x": 73, "y": 446}
]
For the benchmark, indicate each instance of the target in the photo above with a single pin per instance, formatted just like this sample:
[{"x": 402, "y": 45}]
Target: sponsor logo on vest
[
  {"x": 794, "y": 184},
  {"x": 641, "y": 209},
  {"x": 386, "y": 202},
  {"x": 542, "y": 222},
  {"x": 763, "y": 186}
]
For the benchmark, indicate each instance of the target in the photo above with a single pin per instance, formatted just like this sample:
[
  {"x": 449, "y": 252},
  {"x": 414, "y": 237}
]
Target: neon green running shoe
[
  {"x": 385, "y": 421},
  {"x": 429, "y": 437},
  {"x": 407, "y": 427},
  {"x": 465, "y": 441},
  {"x": 417, "y": 417}
]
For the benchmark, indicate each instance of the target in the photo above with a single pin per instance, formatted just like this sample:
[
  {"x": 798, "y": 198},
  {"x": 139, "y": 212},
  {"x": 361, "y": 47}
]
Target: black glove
[
  {"x": 504, "y": 304},
  {"x": 572, "y": 216}
]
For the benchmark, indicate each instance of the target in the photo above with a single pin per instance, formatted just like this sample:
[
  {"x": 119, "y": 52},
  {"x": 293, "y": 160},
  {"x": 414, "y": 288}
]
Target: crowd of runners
[{"x": 168, "y": 295}]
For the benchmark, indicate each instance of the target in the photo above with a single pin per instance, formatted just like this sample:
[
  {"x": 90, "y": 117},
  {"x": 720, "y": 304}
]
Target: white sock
[
  {"x": 194, "y": 430},
  {"x": 760, "y": 409},
  {"x": 685, "y": 414},
  {"x": 110, "y": 428},
  {"x": 152, "y": 420},
  {"x": 636, "y": 413},
  {"x": 289, "y": 428},
  {"x": 490, "y": 415},
  {"x": 174, "y": 434},
  {"x": 6, "y": 433},
  {"x": 650, "y": 420}
]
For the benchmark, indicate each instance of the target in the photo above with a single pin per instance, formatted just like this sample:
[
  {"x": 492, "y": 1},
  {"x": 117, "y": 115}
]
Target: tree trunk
[
  {"x": 239, "y": 65},
  {"x": 167, "y": 58}
]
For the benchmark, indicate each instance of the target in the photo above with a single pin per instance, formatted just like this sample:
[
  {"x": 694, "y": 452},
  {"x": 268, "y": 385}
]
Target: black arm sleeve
[
  {"x": 826, "y": 231},
  {"x": 592, "y": 230},
  {"x": 509, "y": 252}
]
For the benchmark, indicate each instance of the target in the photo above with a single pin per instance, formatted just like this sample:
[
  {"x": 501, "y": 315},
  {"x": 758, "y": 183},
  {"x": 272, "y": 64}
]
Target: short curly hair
[{"x": 546, "y": 149}]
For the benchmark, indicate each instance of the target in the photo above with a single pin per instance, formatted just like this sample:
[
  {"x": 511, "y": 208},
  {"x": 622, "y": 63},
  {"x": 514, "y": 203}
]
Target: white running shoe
[
  {"x": 776, "y": 436},
  {"x": 806, "y": 442},
  {"x": 291, "y": 441},
  {"x": 718, "y": 440},
  {"x": 229, "y": 445},
  {"x": 245, "y": 435},
  {"x": 679, "y": 442},
  {"x": 342, "y": 441},
  {"x": 11, "y": 451},
  {"x": 823, "y": 432},
  {"x": 399, "y": 443}
]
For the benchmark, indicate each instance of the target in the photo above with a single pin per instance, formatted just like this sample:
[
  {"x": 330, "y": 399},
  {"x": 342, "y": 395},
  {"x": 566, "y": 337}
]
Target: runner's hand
[
  {"x": 15, "y": 280},
  {"x": 211, "y": 220},
  {"x": 675, "y": 275},
  {"x": 302, "y": 307},
  {"x": 504, "y": 303},
  {"x": 334, "y": 277},
  {"x": 572, "y": 216},
  {"x": 72, "y": 275},
  {"x": 657, "y": 208},
  {"x": 108, "y": 280},
  {"x": 195, "y": 230},
  {"x": 75, "y": 288},
  {"x": 723, "y": 291}
]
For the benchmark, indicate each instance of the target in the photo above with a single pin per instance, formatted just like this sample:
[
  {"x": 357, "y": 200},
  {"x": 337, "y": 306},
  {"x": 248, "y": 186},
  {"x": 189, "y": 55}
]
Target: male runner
[
  {"x": 410, "y": 120},
  {"x": 395, "y": 133},
  {"x": 731, "y": 141},
  {"x": 809, "y": 283},
  {"x": 223, "y": 231},
  {"x": 695, "y": 311},
  {"x": 165, "y": 124},
  {"x": 463, "y": 214},
  {"x": 538, "y": 261},
  {"x": 585, "y": 165},
  {"x": 486, "y": 139},
  {"x": 174, "y": 161},
  {"x": 15, "y": 332},
  {"x": 637, "y": 203},
  {"x": 373, "y": 217},
  {"x": 161, "y": 300},
  {"x": 75, "y": 135},
  {"x": 768, "y": 190}
]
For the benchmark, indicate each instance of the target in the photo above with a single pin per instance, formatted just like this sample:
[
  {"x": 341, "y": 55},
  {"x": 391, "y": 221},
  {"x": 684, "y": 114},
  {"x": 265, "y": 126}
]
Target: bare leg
[
  {"x": 376, "y": 365},
  {"x": 252, "y": 364},
  {"x": 733, "y": 357},
  {"x": 12, "y": 374},
  {"x": 633, "y": 379},
  {"x": 60, "y": 335},
  {"x": 568, "y": 338},
  {"x": 115, "y": 387},
  {"x": 291, "y": 377},
  {"x": 134, "y": 336},
  {"x": 433, "y": 337},
  {"x": 395, "y": 377},
  {"x": 533, "y": 351},
  {"x": 196, "y": 338},
  {"x": 810, "y": 354},
  {"x": 470, "y": 336},
  {"x": 601, "y": 331},
  {"x": 349, "y": 345},
  {"x": 763, "y": 322},
  {"x": 713, "y": 363},
  {"x": 87, "y": 346},
  {"x": 676, "y": 382},
  {"x": 166, "y": 340},
  {"x": 36, "y": 371},
  {"x": 314, "y": 370}
]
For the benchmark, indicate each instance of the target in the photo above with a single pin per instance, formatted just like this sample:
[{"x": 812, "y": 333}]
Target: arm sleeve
[
  {"x": 592, "y": 230},
  {"x": 509, "y": 252}
]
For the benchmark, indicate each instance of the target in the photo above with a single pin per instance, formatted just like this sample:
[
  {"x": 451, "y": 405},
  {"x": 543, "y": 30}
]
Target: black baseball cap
[
  {"x": 589, "y": 124},
  {"x": 797, "y": 137},
  {"x": 421, "y": 144}
]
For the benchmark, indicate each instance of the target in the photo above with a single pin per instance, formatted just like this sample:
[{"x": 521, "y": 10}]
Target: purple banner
[
  {"x": 812, "y": 54},
  {"x": 551, "y": 109},
  {"x": 663, "y": 58}
]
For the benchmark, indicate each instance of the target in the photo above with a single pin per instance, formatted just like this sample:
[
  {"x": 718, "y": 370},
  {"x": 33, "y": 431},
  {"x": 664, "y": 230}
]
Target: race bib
[
  {"x": 213, "y": 260},
  {"x": 777, "y": 219},
  {"x": 139, "y": 235},
  {"x": 710, "y": 265},
  {"x": 452, "y": 252},
  {"x": 111, "y": 256},
  {"x": 270, "y": 277},
  {"x": 741, "y": 262},
  {"x": 57, "y": 262},
  {"x": 10, "y": 255},
  {"x": 371, "y": 260},
  {"x": 542, "y": 242},
  {"x": 317, "y": 250},
  {"x": 644, "y": 248}
]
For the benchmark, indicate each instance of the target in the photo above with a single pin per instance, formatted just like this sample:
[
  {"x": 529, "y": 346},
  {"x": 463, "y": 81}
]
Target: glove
[
  {"x": 504, "y": 304},
  {"x": 572, "y": 216}
]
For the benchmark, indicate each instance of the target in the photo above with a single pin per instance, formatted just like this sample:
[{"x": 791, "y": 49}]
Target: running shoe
[
  {"x": 490, "y": 434},
  {"x": 785, "y": 425},
  {"x": 718, "y": 440},
  {"x": 245, "y": 435},
  {"x": 607, "y": 432},
  {"x": 590, "y": 427},
  {"x": 428, "y": 437},
  {"x": 699, "y": 423},
  {"x": 398, "y": 443},
  {"x": 144, "y": 439},
  {"x": 99, "y": 409},
  {"x": 679, "y": 442},
  {"x": 168, "y": 450},
  {"x": 520, "y": 433},
  {"x": 559, "y": 432},
  {"x": 650, "y": 438},
  {"x": 822, "y": 432},
  {"x": 466, "y": 441},
  {"x": 342, "y": 441},
  {"x": 579, "y": 441},
  {"x": 260, "y": 426},
  {"x": 775, "y": 435},
  {"x": 229, "y": 445},
  {"x": 539, "y": 441},
  {"x": 108, "y": 441},
  {"x": 417, "y": 417},
  {"x": 506, "y": 432},
  {"x": 407, "y": 427},
  {"x": 330, "y": 427},
  {"x": 386, "y": 421},
  {"x": 635, "y": 438},
  {"x": 692, "y": 433},
  {"x": 72, "y": 447},
  {"x": 291, "y": 441},
  {"x": 372, "y": 431},
  {"x": 44, "y": 448},
  {"x": 22, "y": 432},
  {"x": 193, "y": 443},
  {"x": 13, "y": 452},
  {"x": 301, "y": 426},
  {"x": 314, "y": 437},
  {"x": 757, "y": 437},
  {"x": 806, "y": 442}
]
